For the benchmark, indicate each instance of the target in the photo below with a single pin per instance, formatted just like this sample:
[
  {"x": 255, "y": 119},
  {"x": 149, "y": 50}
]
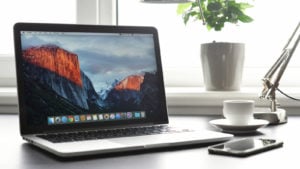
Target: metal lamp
[{"x": 272, "y": 78}]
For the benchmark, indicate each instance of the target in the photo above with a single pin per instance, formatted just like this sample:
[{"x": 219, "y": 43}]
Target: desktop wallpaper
[{"x": 69, "y": 74}]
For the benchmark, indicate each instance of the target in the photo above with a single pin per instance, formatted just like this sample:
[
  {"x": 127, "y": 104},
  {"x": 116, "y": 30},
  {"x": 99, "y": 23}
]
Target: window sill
[
  {"x": 196, "y": 100},
  {"x": 8, "y": 100},
  {"x": 185, "y": 100}
]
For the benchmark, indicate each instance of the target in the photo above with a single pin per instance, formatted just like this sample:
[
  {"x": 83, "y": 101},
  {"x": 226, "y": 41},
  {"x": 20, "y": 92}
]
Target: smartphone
[{"x": 244, "y": 147}]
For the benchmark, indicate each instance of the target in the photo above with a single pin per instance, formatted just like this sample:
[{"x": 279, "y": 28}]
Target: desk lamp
[{"x": 271, "y": 81}]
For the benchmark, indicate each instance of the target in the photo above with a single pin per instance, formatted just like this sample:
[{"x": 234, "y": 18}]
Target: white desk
[{"x": 16, "y": 153}]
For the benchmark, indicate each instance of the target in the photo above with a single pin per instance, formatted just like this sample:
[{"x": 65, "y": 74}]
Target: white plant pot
[{"x": 222, "y": 65}]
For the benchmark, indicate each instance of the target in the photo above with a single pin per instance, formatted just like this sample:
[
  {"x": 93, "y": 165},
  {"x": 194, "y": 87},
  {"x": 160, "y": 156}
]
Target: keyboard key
[{"x": 112, "y": 133}]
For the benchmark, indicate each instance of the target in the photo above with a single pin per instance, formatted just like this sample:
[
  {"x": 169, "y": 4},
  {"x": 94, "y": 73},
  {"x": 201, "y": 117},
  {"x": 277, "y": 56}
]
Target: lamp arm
[
  {"x": 273, "y": 76},
  {"x": 276, "y": 65}
]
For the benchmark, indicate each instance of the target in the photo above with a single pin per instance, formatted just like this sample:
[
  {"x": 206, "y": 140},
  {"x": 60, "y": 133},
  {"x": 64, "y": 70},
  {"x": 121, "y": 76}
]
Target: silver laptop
[{"x": 87, "y": 90}]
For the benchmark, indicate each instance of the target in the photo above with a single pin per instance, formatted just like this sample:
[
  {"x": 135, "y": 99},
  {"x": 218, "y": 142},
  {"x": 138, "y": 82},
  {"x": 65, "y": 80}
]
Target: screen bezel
[{"x": 25, "y": 128}]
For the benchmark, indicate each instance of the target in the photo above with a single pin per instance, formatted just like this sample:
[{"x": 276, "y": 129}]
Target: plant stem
[{"x": 201, "y": 13}]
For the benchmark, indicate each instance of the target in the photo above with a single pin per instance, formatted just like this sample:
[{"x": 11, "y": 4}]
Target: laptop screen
[{"x": 96, "y": 76}]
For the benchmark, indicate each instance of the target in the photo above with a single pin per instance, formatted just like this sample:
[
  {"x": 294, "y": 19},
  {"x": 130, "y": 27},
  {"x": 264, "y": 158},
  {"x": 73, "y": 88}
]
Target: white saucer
[{"x": 224, "y": 125}]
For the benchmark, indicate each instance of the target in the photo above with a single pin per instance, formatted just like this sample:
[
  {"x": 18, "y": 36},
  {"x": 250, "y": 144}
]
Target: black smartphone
[{"x": 244, "y": 147}]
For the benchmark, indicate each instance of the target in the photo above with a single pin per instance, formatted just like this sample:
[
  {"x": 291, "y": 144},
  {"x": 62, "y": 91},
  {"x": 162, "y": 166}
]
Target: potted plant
[{"x": 222, "y": 62}]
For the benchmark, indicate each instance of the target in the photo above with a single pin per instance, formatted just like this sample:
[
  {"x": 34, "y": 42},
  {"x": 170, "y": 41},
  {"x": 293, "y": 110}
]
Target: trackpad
[{"x": 163, "y": 139}]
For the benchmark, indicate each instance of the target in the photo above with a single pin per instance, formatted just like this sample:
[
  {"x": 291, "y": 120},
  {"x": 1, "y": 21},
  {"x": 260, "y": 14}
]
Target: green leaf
[
  {"x": 195, "y": 4},
  {"x": 244, "y": 6},
  {"x": 194, "y": 13},
  {"x": 215, "y": 12},
  {"x": 182, "y": 7},
  {"x": 186, "y": 17},
  {"x": 214, "y": 6},
  {"x": 235, "y": 10},
  {"x": 208, "y": 27},
  {"x": 245, "y": 18}
]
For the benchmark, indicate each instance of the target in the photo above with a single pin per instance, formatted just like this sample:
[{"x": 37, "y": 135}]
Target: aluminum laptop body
[{"x": 83, "y": 78}]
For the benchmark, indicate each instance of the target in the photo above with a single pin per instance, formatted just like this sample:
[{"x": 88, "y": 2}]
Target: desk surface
[{"x": 16, "y": 153}]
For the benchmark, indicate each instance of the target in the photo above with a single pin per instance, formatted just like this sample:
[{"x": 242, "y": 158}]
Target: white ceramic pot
[{"x": 222, "y": 65}]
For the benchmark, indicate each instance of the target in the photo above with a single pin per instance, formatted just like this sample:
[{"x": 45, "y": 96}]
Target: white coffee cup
[{"x": 238, "y": 112}]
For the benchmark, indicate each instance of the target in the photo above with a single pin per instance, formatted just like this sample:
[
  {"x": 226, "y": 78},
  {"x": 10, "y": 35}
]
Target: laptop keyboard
[{"x": 109, "y": 133}]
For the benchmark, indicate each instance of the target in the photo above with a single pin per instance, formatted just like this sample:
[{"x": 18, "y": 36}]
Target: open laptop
[{"x": 87, "y": 90}]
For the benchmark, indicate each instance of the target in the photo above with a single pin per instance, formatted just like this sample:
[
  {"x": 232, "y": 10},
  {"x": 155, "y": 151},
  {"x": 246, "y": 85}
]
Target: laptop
[{"x": 91, "y": 89}]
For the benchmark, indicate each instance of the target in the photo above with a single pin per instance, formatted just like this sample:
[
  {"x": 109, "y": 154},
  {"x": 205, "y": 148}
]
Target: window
[
  {"x": 50, "y": 11},
  {"x": 180, "y": 45},
  {"x": 13, "y": 11},
  {"x": 27, "y": 11}
]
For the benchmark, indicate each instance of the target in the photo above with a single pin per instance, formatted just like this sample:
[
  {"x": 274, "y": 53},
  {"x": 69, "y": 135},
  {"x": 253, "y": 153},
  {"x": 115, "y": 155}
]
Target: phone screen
[{"x": 244, "y": 147}]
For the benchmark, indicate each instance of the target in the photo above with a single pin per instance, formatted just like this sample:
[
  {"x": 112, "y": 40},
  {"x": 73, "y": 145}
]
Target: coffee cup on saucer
[{"x": 238, "y": 112}]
